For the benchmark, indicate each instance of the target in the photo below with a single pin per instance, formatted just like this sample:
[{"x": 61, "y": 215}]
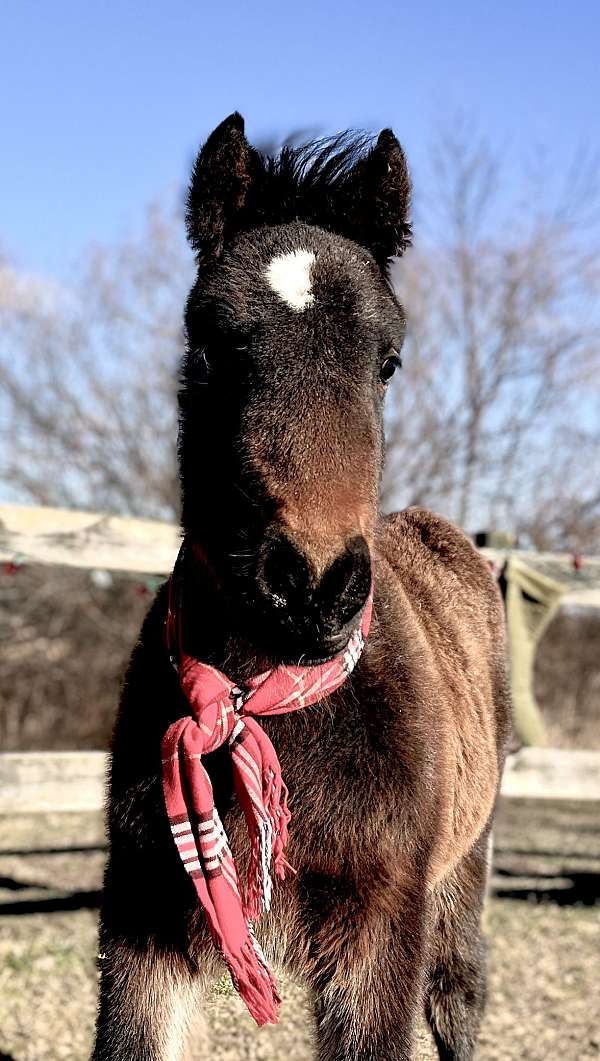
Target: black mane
[
  {"x": 306, "y": 181},
  {"x": 343, "y": 183}
]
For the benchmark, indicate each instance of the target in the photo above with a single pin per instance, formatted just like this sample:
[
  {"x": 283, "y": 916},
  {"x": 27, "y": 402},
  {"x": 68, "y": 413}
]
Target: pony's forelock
[{"x": 303, "y": 181}]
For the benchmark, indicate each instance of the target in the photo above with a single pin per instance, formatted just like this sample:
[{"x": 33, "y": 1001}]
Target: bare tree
[
  {"x": 495, "y": 420},
  {"x": 88, "y": 377},
  {"x": 503, "y": 356}
]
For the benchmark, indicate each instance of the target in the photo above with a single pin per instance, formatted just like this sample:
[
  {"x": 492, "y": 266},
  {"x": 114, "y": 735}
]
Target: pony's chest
[
  {"x": 341, "y": 746},
  {"x": 349, "y": 786}
]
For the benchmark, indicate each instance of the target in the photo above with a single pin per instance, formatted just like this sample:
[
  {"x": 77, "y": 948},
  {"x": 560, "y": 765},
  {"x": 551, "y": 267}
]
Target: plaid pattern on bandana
[{"x": 219, "y": 712}]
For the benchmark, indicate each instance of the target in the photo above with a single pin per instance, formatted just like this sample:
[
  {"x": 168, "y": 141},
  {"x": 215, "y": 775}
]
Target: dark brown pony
[{"x": 293, "y": 334}]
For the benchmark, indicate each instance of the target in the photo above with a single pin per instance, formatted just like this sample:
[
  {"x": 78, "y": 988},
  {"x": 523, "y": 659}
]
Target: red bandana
[{"x": 219, "y": 712}]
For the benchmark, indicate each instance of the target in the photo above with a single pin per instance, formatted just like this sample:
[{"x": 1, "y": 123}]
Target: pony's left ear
[
  {"x": 218, "y": 187},
  {"x": 381, "y": 195}
]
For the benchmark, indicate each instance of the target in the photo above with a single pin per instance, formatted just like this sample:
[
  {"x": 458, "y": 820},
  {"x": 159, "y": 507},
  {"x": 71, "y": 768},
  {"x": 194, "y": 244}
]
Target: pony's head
[{"x": 293, "y": 335}]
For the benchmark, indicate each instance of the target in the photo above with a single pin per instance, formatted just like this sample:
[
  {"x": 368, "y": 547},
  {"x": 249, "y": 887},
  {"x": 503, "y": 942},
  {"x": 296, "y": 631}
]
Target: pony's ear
[
  {"x": 380, "y": 200},
  {"x": 218, "y": 187}
]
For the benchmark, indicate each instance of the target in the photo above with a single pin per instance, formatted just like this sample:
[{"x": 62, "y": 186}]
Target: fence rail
[
  {"x": 87, "y": 539},
  {"x": 58, "y": 536},
  {"x": 62, "y": 782}
]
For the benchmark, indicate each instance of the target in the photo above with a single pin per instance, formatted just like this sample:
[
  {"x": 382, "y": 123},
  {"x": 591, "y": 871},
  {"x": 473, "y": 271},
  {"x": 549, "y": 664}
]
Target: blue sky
[{"x": 102, "y": 105}]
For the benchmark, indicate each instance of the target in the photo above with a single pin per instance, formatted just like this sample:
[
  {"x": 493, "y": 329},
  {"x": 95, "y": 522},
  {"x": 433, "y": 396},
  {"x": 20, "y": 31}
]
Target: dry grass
[
  {"x": 543, "y": 992},
  {"x": 544, "y": 1000}
]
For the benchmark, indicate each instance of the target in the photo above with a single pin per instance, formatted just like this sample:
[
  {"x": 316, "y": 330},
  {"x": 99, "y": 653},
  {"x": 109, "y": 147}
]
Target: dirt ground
[{"x": 544, "y": 947}]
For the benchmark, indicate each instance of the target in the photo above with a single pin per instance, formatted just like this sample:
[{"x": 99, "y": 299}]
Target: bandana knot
[{"x": 221, "y": 712}]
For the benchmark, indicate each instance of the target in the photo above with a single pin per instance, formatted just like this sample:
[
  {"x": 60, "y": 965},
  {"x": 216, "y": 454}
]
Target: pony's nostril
[
  {"x": 284, "y": 575},
  {"x": 345, "y": 585}
]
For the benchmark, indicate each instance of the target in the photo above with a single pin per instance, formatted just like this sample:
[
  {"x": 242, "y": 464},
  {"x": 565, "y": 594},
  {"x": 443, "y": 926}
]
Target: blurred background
[{"x": 495, "y": 419}]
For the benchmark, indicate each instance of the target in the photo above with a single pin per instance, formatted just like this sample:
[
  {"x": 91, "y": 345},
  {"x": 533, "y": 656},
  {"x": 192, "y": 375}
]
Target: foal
[{"x": 293, "y": 335}]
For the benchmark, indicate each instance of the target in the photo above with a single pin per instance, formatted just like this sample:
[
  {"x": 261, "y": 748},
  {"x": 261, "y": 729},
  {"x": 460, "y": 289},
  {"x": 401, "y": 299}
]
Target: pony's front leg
[
  {"x": 368, "y": 979},
  {"x": 146, "y": 1002}
]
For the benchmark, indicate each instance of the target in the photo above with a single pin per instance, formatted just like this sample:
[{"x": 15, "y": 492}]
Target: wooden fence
[
  {"x": 69, "y": 782},
  {"x": 74, "y": 781}
]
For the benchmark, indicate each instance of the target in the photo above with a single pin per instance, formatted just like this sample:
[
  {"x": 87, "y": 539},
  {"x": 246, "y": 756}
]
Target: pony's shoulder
[{"x": 415, "y": 538}]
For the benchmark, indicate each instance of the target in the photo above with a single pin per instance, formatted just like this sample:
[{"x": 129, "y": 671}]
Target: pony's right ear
[{"x": 218, "y": 187}]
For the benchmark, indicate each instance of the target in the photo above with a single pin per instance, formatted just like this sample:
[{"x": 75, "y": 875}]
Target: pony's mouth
[
  {"x": 282, "y": 632},
  {"x": 309, "y": 646},
  {"x": 295, "y": 613},
  {"x": 331, "y": 648}
]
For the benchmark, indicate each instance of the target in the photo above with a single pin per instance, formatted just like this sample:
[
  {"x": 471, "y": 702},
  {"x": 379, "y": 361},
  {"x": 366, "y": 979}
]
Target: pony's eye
[
  {"x": 212, "y": 358},
  {"x": 202, "y": 362},
  {"x": 389, "y": 366}
]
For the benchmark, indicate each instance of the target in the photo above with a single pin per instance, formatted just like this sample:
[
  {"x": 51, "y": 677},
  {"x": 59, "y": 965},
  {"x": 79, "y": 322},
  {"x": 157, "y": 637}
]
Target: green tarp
[{"x": 532, "y": 598}]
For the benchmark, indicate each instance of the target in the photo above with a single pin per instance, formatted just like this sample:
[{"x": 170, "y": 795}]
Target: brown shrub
[{"x": 65, "y": 642}]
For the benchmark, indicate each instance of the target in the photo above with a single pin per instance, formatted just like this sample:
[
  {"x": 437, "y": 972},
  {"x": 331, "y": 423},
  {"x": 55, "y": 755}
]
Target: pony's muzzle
[{"x": 311, "y": 616}]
